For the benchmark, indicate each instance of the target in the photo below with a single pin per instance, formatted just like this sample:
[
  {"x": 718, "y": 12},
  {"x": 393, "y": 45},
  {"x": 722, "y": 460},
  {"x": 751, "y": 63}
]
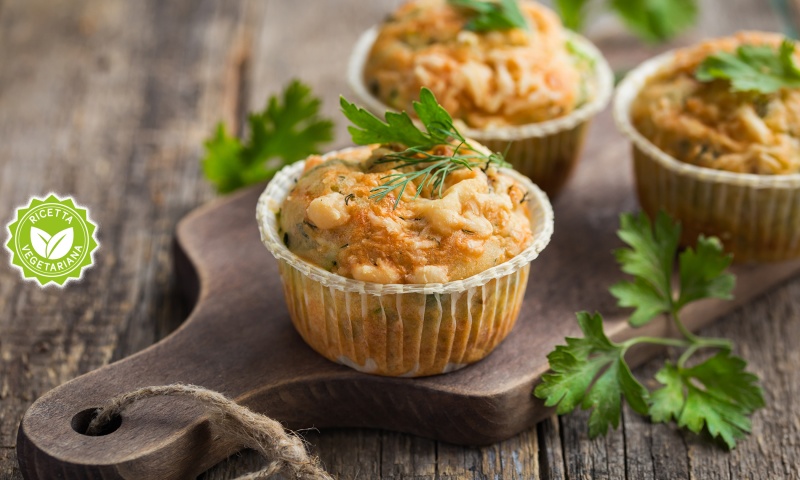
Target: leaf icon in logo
[
  {"x": 60, "y": 244},
  {"x": 39, "y": 239},
  {"x": 52, "y": 247}
]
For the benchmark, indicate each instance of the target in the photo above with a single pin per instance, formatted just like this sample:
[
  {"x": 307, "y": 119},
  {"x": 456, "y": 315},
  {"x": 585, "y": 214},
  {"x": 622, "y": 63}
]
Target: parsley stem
[
  {"x": 697, "y": 342},
  {"x": 688, "y": 353},
  {"x": 681, "y": 328},
  {"x": 703, "y": 343},
  {"x": 668, "y": 342}
]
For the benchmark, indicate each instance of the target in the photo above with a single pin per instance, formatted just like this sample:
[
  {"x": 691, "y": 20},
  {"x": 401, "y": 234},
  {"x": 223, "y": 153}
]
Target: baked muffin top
[
  {"x": 708, "y": 124},
  {"x": 484, "y": 79},
  {"x": 480, "y": 220}
]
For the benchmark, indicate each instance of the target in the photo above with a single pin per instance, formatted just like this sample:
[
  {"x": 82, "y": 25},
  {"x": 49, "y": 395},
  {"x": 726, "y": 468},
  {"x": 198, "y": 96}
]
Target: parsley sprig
[
  {"x": 652, "y": 20},
  {"x": 419, "y": 147},
  {"x": 492, "y": 15},
  {"x": 757, "y": 68},
  {"x": 591, "y": 371},
  {"x": 289, "y": 129}
]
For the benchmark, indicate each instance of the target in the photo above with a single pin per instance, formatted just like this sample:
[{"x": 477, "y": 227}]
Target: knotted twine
[{"x": 229, "y": 420}]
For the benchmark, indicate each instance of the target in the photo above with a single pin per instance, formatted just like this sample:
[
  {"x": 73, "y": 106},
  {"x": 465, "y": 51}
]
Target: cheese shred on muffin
[{"x": 480, "y": 220}]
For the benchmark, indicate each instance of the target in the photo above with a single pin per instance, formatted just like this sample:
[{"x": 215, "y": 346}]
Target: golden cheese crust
[
  {"x": 329, "y": 219},
  {"x": 706, "y": 124},
  {"x": 489, "y": 79}
]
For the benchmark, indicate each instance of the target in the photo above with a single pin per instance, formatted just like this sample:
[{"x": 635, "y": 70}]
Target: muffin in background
[
  {"x": 724, "y": 161},
  {"x": 402, "y": 308},
  {"x": 528, "y": 92}
]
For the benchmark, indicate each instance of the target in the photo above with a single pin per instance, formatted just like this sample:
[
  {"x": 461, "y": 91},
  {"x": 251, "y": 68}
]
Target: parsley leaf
[
  {"x": 289, "y": 129},
  {"x": 572, "y": 13},
  {"x": 641, "y": 295},
  {"x": 575, "y": 367},
  {"x": 653, "y": 248},
  {"x": 222, "y": 164},
  {"x": 399, "y": 127},
  {"x": 656, "y": 20},
  {"x": 650, "y": 260},
  {"x": 492, "y": 15},
  {"x": 437, "y": 121},
  {"x": 718, "y": 394},
  {"x": 757, "y": 68},
  {"x": 651, "y": 20},
  {"x": 702, "y": 272},
  {"x": 429, "y": 168}
]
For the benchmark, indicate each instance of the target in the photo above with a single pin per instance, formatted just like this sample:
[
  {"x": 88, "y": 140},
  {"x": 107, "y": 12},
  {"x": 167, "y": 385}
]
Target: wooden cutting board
[{"x": 239, "y": 340}]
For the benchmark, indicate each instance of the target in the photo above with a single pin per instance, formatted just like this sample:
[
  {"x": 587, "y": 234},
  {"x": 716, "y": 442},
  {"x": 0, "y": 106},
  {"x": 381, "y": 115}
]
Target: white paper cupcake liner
[
  {"x": 757, "y": 217},
  {"x": 401, "y": 329},
  {"x": 546, "y": 152}
]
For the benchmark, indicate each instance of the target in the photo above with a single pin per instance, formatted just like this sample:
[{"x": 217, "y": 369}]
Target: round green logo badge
[{"x": 52, "y": 240}]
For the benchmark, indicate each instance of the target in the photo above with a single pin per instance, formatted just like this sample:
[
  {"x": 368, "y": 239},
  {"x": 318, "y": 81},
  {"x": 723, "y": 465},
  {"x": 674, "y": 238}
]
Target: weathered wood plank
[
  {"x": 602, "y": 458},
  {"x": 350, "y": 453},
  {"x": 551, "y": 455},
  {"x": 406, "y": 456},
  {"x": 109, "y": 102}
]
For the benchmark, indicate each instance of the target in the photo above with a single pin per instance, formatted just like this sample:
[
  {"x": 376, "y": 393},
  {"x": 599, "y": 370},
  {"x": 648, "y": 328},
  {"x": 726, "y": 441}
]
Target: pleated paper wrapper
[
  {"x": 757, "y": 217},
  {"x": 401, "y": 329}
]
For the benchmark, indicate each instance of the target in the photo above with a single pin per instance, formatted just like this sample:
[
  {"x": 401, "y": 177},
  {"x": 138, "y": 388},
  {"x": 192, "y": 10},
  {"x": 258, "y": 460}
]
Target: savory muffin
[
  {"x": 719, "y": 156},
  {"x": 485, "y": 79},
  {"x": 423, "y": 288},
  {"x": 331, "y": 219},
  {"x": 527, "y": 90},
  {"x": 708, "y": 124}
]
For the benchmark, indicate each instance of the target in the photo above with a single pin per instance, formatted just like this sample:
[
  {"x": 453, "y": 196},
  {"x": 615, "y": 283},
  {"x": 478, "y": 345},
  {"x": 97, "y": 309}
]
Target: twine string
[{"x": 229, "y": 420}]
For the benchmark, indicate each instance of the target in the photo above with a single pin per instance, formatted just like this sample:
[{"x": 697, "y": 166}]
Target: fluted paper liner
[
  {"x": 757, "y": 217},
  {"x": 546, "y": 152},
  {"x": 401, "y": 329}
]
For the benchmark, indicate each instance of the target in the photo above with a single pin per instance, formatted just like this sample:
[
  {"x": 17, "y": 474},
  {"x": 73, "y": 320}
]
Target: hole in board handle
[{"x": 81, "y": 420}]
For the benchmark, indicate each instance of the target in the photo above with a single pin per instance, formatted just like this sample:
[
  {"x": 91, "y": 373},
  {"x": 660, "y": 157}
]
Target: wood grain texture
[
  {"x": 127, "y": 90},
  {"x": 108, "y": 101}
]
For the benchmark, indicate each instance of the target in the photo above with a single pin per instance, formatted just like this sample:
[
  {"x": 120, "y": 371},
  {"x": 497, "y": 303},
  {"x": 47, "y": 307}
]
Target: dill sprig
[
  {"x": 429, "y": 169},
  {"x": 435, "y": 171}
]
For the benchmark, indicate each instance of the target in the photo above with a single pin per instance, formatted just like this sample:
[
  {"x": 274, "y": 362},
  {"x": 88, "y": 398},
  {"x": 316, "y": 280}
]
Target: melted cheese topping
[
  {"x": 706, "y": 124},
  {"x": 495, "y": 78},
  {"x": 480, "y": 221}
]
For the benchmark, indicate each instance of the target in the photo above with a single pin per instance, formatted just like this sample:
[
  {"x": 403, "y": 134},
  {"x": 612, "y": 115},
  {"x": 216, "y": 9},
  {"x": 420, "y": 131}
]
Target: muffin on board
[
  {"x": 404, "y": 259},
  {"x": 716, "y": 141},
  {"x": 525, "y": 87}
]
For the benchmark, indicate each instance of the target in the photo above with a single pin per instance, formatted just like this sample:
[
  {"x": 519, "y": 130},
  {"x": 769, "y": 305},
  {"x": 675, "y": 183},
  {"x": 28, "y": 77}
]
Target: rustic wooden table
[{"x": 110, "y": 101}]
